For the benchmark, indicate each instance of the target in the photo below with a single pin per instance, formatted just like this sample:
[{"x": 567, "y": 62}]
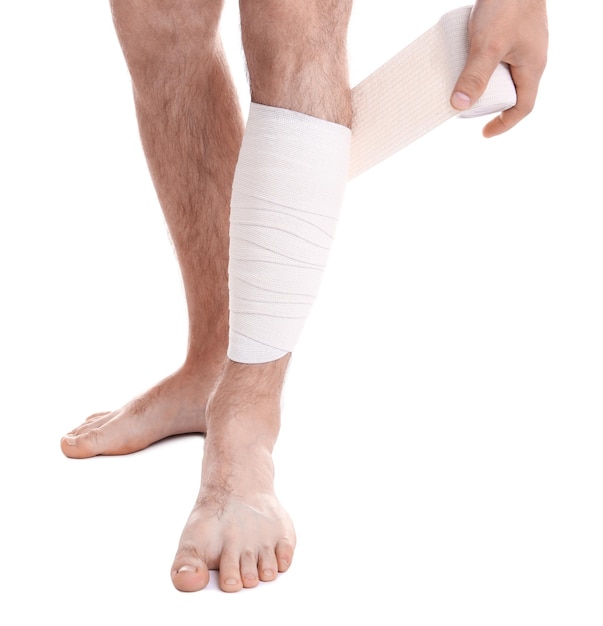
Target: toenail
[
  {"x": 186, "y": 568},
  {"x": 268, "y": 573},
  {"x": 70, "y": 441},
  {"x": 230, "y": 581}
]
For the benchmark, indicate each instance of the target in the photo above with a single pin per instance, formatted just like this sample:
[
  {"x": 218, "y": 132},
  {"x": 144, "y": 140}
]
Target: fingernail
[
  {"x": 460, "y": 101},
  {"x": 186, "y": 568},
  {"x": 70, "y": 441}
]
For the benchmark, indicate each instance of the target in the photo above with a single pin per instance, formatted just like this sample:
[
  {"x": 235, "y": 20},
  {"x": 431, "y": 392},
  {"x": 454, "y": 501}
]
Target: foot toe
[
  {"x": 249, "y": 569},
  {"x": 230, "y": 575},
  {"x": 94, "y": 421},
  {"x": 95, "y": 416},
  {"x": 189, "y": 574},
  {"x": 284, "y": 555},
  {"x": 82, "y": 446},
  {"x": 267, "y": 565}
]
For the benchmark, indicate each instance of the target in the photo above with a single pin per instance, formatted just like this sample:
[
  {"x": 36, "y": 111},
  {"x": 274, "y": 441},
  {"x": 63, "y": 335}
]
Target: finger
[
  {"x": 474, "y": 78},
  {"x": 526, "y": 85}
]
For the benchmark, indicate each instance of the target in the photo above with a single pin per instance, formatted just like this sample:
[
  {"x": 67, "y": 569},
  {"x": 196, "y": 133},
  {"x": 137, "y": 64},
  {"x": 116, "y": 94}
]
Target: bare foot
[
  {"x": 237, "y": 525},
  {"x": 174, "y": 406}
]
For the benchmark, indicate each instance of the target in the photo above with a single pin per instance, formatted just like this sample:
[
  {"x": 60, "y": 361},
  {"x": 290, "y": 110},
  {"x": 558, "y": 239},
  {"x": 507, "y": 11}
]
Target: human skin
[
  {"x": 511, "y": 31},
  {"x": 191, "y": 130}
]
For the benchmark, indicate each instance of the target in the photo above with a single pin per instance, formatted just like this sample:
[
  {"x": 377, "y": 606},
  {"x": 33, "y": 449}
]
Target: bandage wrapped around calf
[
  {"x": 287, "y": 192},
  {"x": 292, "y": 172}
]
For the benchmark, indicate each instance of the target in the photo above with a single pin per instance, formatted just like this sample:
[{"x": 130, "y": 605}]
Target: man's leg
[
  {"x": 191, "y": 131},
  {"x": 296, "y": 57}
]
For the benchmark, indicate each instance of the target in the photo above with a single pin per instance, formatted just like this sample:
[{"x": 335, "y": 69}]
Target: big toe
[
  {"x": 82, "y": 446},
  {"x": 189, "y": 574}
]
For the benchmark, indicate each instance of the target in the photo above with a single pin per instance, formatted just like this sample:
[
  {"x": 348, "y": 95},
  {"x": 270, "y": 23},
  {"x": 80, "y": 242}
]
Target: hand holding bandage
[
  {"x": 509, "y": 32},
  {"x": 410, "y": 94}
]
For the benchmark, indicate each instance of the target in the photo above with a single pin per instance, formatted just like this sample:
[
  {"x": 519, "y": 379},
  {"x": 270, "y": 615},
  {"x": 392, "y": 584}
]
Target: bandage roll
[{"x": 287, "y": 192}]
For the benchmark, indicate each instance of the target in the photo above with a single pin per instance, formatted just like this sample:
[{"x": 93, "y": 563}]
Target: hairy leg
[
  {"x": 296, "y": 57},
  {"x": 191, "y": 130},
  {"x": 237, "y": 525}
]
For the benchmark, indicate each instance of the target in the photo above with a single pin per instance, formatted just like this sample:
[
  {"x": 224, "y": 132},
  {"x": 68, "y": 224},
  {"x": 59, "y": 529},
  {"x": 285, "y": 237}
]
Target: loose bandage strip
[
  {"x": 410, "y": 94},
  {"x": 292, "y": 172}
]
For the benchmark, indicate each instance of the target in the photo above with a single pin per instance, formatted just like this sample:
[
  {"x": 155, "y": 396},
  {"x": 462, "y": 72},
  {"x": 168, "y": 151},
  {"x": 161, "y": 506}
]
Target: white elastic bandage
[
  {"x": 288, "y": 188},
  {"x": 292, "y": 171}
]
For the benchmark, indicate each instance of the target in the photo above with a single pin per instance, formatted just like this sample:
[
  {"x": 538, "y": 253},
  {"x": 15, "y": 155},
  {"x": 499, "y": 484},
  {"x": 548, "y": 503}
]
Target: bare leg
[
  {"x": 191, "y": 131},
  {"x": 296, "y": 59}
]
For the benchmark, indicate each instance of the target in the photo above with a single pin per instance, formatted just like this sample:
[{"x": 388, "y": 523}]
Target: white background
[{"x": 442, "y": 429}]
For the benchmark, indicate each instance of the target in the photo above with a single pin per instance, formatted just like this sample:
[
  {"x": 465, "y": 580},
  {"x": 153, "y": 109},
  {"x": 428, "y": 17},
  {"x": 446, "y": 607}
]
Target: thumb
[{"x": 474, "y": 79}]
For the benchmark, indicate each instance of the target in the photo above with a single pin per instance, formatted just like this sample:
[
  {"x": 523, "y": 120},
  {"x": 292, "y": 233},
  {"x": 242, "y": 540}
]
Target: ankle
[
  {"x": 245, "y": 405},
  {"x": 206, "y": 359}
]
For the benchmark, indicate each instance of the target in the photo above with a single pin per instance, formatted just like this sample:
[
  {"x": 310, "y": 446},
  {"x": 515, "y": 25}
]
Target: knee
[
  {"x": 290, "y": 31},
  {"x": 296, "y": 53},
  {"x": 157, "y": 35}
]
